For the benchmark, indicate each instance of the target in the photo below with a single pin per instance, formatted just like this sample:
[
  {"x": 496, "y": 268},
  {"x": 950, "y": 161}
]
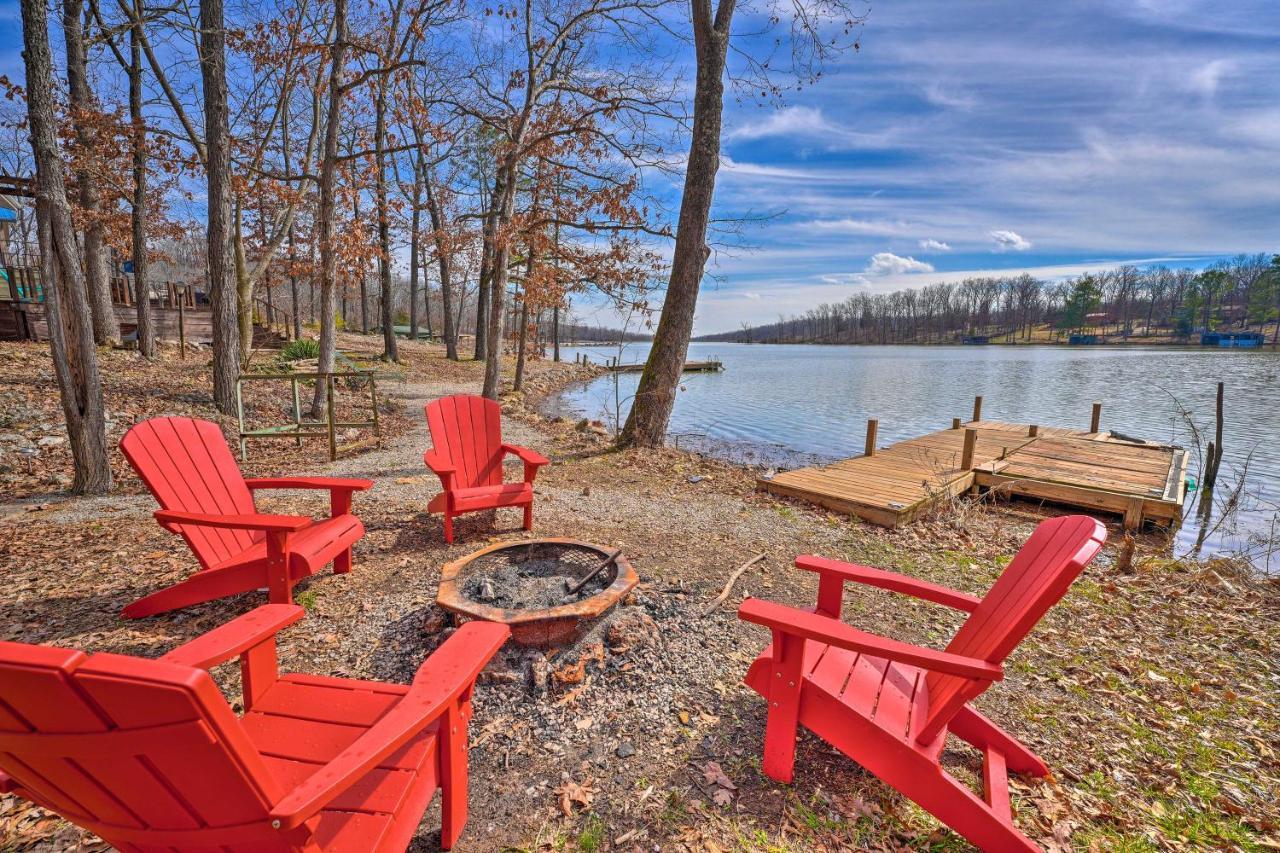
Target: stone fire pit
[{"x": 522, "y": 584}]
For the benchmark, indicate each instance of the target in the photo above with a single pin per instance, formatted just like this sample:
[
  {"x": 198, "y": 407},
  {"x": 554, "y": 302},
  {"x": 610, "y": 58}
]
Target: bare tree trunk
[
  {"x": 444, "y": 263},
  {"x": 106, "y": 329},
  {"x": 655, "y": 395},
  {"x": 415, "y": 221},
  {"x": 328, "y": 180},
  {"x": 222, "y": 291},
  {"x": 244, "y": 283},
  {"x": 523, "y": 339},
  {"x": 504, "y": 199},
  {"x": 389, "y": 352},
  {"x": 293, "y": 288},
  {"x": 75, "y": 360},
  {"x": 486, "y": 274},
  {"x": 138, "y": 216}
]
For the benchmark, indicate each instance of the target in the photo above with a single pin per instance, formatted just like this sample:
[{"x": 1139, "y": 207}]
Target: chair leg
[
  {"x": 448, "y": 527},
  {"x": 528, "y": 516},
  {"x": 972, "y": 727},
  {"x": 342, "y": 562},
  {"x": 453, "y": 776},
  {"x": 952, "y": 802},
  {"x": 783, "y": 724},
  {"x": 203, "y": 586}
]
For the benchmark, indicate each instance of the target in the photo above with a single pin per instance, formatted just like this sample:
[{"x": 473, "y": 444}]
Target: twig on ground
[{"x": 728, "y": 587}]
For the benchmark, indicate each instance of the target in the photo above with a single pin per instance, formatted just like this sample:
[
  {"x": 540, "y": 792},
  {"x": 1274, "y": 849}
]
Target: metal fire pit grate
[{"x": 524, "y": 585}]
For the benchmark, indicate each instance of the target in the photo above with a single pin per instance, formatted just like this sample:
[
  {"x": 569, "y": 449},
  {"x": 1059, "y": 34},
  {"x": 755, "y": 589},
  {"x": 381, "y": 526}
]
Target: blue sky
[
  {"x": 1049, "y": 137},
  {"x": 994, "y": 136}
]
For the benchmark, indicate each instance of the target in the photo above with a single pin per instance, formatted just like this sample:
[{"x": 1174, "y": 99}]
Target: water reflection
[{"x": 792, "y": 405}]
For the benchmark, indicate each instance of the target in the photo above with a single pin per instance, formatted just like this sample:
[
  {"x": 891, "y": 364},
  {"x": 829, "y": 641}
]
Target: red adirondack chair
[
  {"x": 148, "y": 755},
  {"x": 890, "y": 705},
  {"x": 467, "y": 453},
  {"x": 203, "y": 497}
]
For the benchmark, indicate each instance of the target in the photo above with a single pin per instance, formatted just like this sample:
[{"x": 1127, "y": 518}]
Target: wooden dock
[{"x": 1092, "y": 470}]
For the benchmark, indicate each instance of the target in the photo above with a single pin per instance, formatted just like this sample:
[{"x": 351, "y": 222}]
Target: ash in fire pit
[
  {"x": 535, "y": 577},
  {"x": 537, "y": 587}
]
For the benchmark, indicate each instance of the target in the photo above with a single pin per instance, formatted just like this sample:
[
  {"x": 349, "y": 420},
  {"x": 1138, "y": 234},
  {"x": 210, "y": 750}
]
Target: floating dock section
[{"x": 1093, "y": 470}]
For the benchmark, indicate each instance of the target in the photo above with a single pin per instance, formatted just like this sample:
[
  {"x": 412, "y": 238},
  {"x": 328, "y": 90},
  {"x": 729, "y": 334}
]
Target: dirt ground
[{"x": 1151, "y": 693}]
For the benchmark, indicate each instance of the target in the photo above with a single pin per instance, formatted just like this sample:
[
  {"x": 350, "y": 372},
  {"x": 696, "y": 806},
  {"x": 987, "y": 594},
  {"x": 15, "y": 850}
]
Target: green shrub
[{"x": 300, "y": 349}]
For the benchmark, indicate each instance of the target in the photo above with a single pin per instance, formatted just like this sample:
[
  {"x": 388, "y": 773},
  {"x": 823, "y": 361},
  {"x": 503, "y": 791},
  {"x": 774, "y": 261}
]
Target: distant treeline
[
  {"x": 578, "y": 333},
  {"x": 1243, "y": 293}
]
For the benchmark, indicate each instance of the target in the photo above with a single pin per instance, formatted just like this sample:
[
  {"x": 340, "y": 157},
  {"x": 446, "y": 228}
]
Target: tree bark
[
  {"x": 415, "y": 221},
  {"x": 504, "y": 197},
  {"x": 328, "y": 180},
  {"x": 69, "y": 315},
  {"x": 106, "y": 329},
  {"x": 138, "y": 216},
  {"x": 646, "y": 424},
  {"x": 444, "y": 264},
  {"x": 389, "y": 352},
  {"x": 222, "y": 290}
]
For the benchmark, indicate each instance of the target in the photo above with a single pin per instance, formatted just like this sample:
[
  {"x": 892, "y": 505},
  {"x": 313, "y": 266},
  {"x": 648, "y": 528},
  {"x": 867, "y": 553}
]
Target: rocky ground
[{"x": 1151, "y": 690}]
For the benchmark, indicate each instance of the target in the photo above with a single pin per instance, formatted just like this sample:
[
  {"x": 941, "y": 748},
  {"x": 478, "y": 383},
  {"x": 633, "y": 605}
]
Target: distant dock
[
  {"x": 712, "y": 366},
  {"x": 1093, "y": 470}
]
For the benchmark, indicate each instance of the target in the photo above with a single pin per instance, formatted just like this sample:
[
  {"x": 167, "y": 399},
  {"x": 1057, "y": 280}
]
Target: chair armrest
[
  {"x": 270, "y": 523},
  {"x": 354, "y": 485},
  {"x": 824, "y": 629},
  {"x": 235, "y": 637},
  {"x": 438, "y": 463},
  {"x": 7, "y": 783},
  {"x": 527, "y": 456},
  {"x": 890, "y": 581},
  {"x": 440, "y": 682},
  {"x": 441, "y": 467}
]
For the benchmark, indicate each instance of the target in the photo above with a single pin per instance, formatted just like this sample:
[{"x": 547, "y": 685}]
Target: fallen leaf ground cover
[{"x": 1151, "y": 692}]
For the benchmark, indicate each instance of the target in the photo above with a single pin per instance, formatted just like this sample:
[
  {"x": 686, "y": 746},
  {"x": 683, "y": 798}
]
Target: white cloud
[
  {"x": 887, "y": 263},
  {"x": 848, "y": 225},
  {"x": 932, "y": 245},
  {"x": 788, "y": 121},
  {"x": 1205, "y": 79},
  {"x": 1010, "y": 241},
  {"x": 938, "y": 95}
]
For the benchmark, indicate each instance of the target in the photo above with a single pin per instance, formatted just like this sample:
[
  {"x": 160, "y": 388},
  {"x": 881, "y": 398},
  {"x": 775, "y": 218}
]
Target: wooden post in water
[
  {"x": 1033, "y": 430},
  {"x": 970, "y": 445},
  {"x": 955, "y": 423},
  {"x": 1214, "y": 452},
  {"x": 977, "y": 408},
  {"x": 1095, "y": 419},
  {"x": 873, "y": 426}
]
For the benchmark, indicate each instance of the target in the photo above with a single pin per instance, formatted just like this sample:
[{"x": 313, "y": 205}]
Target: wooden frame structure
[{"x": 301, "y": 428}]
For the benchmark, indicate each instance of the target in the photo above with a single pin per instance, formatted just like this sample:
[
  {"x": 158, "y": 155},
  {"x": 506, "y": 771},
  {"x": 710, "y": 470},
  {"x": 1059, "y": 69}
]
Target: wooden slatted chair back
[
  {"x": 1037, "y": 578},
  {"x": 144, "y": 753},
  {"x": 468, "y": 430},
  {"x": 188, "y": 467}
]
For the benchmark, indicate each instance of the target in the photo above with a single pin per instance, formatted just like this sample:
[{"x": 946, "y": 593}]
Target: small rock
[
  {"x": 536, "y": 671},
  {"x": 632, "y": 629},
  {"x": 435, "y": 621},
  {"x": 486, "y": 591},
  {"x": 51, "y": 441},
  {"x": 625, "y": 750},
  {"x": 696, "y": 478}
]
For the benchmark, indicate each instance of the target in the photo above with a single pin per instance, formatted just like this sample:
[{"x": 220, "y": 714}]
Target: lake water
[{"x": 790, "y": 405}]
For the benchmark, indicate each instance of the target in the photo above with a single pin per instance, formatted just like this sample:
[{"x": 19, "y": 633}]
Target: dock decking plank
[{"x": 899, "y": 482}]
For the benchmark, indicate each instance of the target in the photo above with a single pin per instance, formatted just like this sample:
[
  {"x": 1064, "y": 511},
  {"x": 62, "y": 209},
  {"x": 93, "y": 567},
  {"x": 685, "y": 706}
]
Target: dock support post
[
  {"x": 977, "y": 408},
  {"x": 955, "y": 423},
  {"x": 1033, "y": 430},
  {"x": 1095, "y": 420},
  {"x": 1133, "y": 514},
  {"x": 970, "y": 444},
  {"x": 873, "y": 426}
]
